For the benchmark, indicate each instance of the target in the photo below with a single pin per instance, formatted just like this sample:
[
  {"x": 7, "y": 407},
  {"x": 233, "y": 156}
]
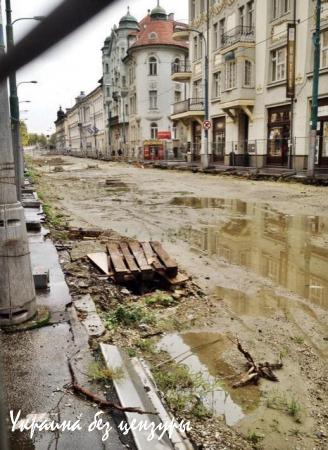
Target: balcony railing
[
  {"x": 190, "y": 104},
  {"x": 238, "y": 34},
  {"x": 180, "y": 68}
]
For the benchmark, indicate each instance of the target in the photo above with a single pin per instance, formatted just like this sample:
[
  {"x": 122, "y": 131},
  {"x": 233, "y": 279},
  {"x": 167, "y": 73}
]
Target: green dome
[
  {"x": 129, "y": 21},
  {"x": 158, "y": 13}
]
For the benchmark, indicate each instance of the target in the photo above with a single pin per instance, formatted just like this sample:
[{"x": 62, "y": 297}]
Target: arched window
[
  {"x": 152, "y": 35},
  {"x": 152, "y": 65},
  {"x": 153, "y": 130},
  {"x": 176, "y": 65},
  {"x": 248, "y": 74}
]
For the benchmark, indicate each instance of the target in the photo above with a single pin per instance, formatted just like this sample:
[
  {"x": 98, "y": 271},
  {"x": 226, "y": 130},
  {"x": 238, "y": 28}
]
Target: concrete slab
[
  {"x": 85, "y": 304},
  {"x": 94, "y": 325}
]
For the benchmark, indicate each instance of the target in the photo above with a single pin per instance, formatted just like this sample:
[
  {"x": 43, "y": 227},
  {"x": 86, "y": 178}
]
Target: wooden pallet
[{"x": 141, "y": 261}]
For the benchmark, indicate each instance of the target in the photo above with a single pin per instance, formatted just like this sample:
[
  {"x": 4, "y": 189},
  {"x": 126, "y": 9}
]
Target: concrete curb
[{"x": 137, "y": 389}]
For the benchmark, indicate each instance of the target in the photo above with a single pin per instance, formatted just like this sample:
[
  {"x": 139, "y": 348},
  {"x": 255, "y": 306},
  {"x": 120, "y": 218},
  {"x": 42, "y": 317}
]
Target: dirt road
[{"x": 258, "y": 249}]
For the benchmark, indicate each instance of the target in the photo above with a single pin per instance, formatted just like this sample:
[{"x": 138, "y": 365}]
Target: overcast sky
[{"x": 74, "y": 65}]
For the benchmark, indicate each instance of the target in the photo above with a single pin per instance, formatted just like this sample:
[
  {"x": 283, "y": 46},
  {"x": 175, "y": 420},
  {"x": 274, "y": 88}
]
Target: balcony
[
  {"x": 181, "y": 71},
  {"x": 188, "y": 108},
  {"x": 241, "y": 35}
]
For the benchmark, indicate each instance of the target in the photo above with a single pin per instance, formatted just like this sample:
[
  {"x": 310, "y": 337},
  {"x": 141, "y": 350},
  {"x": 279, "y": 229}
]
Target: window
[
  {"x": 133, "y": 104},
  {"x": 153, "y": 130},
  {"x": 324, "y": 49},
  {"x": 248, "y": 74},
  {"x": 278, "y": 64},
  {"x": 195, "y": 47},
  {"x": 250, "y": 14},
  {"x": 177, "y": 96},
  {"x": 197, "y": 89},
  {"x": 231, "y": 74},
  {"x": 152, "y": 35},
  {"x": 176, "y": 64},
  {"x": 152, "y": 99},
  {"x": 242, "y": 16},
  {"x": 106, "y": 68},
  {"x": 107, "y": 91},
  {"x": 152, "y": 65},
  {"x": 215, "y": 36},
  {"x": 217, "y": 85},
  {"x": 221, "y": 30},
  {"x": 279, "y": 8}
]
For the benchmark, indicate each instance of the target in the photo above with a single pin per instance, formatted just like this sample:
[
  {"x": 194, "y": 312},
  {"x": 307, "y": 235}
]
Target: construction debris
[
  {"x": 256, "y": 371},
  {"x": 137, "y": 261}
]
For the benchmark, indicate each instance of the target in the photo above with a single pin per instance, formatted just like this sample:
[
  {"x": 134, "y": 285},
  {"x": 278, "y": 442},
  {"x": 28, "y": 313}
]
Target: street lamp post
[
  {"x": 315, "y": 91},
  {"x": 14, "y": 103}
]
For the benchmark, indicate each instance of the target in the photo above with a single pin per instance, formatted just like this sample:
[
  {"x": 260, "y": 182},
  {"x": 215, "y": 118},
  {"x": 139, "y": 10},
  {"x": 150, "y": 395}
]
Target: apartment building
[
  {"x": 81, "y": 130},
  {"x": 138, "y": 90},
  {"x": 253, "y": 122}
]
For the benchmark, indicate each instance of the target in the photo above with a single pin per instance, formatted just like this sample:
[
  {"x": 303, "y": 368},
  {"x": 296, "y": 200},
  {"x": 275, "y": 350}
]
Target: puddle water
[
  {"x": 290, "y": 250},
  {"x": 205, "y": 357}
]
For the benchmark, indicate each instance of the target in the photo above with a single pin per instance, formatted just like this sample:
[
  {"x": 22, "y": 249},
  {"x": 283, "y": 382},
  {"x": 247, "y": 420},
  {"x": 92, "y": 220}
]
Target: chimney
[{"x": 171, "y": 17}]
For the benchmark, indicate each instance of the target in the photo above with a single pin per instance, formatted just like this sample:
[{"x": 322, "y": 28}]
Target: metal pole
[
  {"x": 205, "y": 161},
  {"x": 124, "y": 139},
  {"x": 292, "y": 101},
  {"x": 14, "y": 107},
  {"x": 315, "y": 91}
]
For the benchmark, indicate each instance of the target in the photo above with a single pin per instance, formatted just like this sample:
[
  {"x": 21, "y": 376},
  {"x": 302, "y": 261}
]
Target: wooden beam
[
  {"x": 169, "y": 263},
  {"x": 137, "y": 251},
  {"x": 129, "y": 259}
]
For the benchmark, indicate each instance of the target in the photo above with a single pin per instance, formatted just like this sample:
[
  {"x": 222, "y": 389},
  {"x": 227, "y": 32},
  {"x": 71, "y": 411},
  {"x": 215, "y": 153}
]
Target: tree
[{"x": 24, "y": 134}]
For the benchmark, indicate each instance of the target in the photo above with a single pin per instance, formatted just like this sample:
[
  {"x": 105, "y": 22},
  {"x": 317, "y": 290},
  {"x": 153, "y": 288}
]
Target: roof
[
  {"x": 128, "y": 21},
  {"x": 157, "y": 32}
]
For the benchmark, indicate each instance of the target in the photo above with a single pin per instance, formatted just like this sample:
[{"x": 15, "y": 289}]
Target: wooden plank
[
  {"x": 129, "y": 259},
  {"x": 137, "y": 251},
  {"x": 100, "y": 260},
  {"x": 169, "y": 263},
  {"x": 151, "y": 256},
  {"x": 177, "y": 279},
  {"x": 117, "y": 261}
]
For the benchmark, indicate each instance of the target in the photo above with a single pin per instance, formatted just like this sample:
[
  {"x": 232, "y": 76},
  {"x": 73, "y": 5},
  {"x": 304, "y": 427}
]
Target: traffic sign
[{"x": 207, "y": 124}]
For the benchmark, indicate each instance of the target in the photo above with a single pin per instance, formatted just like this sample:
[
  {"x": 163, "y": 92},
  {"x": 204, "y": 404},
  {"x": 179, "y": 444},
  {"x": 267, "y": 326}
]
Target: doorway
[{"x": 278, "y": 135}]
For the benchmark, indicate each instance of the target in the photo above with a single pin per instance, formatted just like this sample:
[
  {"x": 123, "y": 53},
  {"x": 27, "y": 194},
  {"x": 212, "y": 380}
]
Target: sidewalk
[{"x": 37, "y": 379}]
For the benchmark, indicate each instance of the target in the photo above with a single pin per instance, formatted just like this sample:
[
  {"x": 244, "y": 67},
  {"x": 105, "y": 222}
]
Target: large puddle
[
  {"x": 290, "y": 250},
  {"x": 202, "y": 353}
]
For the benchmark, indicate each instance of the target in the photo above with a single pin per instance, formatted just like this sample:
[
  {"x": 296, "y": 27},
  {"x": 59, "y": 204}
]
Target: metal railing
[
  {"x": 180, "y": 67},
  {"x": 238, "y": 34},
  {"x": 190, "y": 104}
]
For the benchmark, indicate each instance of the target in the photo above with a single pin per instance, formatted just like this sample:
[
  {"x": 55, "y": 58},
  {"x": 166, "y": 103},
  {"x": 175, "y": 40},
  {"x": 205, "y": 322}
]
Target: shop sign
[{"x": 164, "y": 135}]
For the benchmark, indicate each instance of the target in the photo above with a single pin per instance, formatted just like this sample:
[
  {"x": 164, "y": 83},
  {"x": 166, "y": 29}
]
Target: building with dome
[{"x": 138, "y": 89}]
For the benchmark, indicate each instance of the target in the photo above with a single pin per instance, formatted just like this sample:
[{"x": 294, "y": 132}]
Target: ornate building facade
[
  {"x": 138, "y": 90},
  {"x": 253, "y": 122}
]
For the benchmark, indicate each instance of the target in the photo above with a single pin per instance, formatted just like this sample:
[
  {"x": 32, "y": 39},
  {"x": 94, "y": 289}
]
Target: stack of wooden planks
[{"x": 129, "y": 261}]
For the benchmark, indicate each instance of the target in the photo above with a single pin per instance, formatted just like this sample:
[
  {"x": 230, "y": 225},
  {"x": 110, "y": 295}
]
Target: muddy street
[{"x": 259, "y": 251}]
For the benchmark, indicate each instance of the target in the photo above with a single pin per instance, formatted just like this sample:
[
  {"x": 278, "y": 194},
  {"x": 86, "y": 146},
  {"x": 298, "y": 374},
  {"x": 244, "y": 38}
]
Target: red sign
[
  {"x": 164, "y": 135},
  {"x": 207, "y": 124}
]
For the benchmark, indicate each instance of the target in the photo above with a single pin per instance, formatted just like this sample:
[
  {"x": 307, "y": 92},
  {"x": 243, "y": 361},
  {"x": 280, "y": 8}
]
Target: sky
[{"x": 74, "y": 64}]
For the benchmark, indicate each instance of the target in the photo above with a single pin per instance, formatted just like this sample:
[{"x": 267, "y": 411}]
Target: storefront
[
  {"x": 218, "y": 144},
  {"x": 278, "y": 135},
  {"x": 322, "y": 133},
  {"x": 153, "y": 150}
]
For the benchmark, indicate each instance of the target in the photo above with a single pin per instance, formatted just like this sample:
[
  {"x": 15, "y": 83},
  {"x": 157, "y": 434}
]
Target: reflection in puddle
[
  {"x": 290, "y": 250},
  {"x": 206, "y": 359}
]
